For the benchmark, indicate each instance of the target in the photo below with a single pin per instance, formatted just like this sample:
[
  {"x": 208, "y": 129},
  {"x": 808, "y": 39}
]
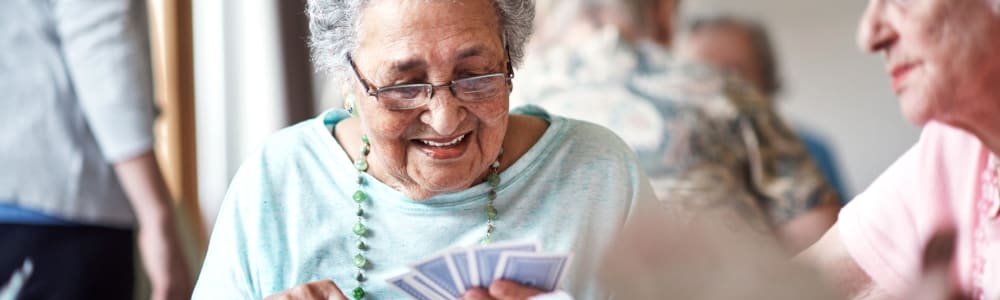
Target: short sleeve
[
  {"x": 930, "y": 188},
  {"x": 226, "y": 273},
  {"x": 878, "y": 226},
  {"x": 106, "y": 47}
]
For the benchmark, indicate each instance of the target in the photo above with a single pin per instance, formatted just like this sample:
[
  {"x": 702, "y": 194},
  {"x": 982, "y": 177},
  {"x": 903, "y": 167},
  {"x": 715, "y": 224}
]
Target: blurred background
[{"x": 229, "y": 73}]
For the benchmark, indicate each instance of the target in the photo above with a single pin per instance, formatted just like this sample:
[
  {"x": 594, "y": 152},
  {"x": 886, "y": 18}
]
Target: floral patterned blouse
[{"x": 706, "y": 140}]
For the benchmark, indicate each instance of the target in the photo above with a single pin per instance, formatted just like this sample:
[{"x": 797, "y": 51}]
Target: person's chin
[
  {"x": 915, "y": 109},
  {"x": 445, "y": 185}
]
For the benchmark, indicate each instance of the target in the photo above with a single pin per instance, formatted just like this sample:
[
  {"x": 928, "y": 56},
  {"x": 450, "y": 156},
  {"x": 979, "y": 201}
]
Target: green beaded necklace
[{"x": 360, "y": 197}]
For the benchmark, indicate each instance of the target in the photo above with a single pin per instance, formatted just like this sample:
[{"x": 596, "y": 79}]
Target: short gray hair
[{"x": 334, "y": 27}]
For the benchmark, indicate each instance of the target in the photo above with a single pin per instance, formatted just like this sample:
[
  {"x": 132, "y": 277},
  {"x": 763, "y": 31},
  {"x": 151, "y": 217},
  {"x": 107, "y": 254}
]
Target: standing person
[
  {"x": 79, "y": 175},
  {"x": 743, "y": 47},
  {"x": 941, "y": 56},
  {"x": 705, "y": 141}
]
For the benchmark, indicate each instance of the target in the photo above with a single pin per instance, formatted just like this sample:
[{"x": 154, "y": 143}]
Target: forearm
[
  {"x": 831, "y": 259},
  {"x": 159, "y": 241},
  {"x": 146, "y": 190}
]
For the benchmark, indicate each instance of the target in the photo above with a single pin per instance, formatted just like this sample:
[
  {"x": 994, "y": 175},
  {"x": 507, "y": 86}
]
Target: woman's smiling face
[
  {"x": 940, "y": 55},
  {"x": 448, "y": 144}
]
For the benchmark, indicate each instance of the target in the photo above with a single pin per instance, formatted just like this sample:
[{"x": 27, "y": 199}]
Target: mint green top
[{"x": 287, "y": 217}]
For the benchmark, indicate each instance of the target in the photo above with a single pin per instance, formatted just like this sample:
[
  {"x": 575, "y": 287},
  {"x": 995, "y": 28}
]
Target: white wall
[
  {"x": 239, "y": 90},
  {"x": 830, "y": 85}
]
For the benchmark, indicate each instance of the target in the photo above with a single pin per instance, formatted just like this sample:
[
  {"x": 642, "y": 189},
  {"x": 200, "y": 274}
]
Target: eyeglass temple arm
[{"x": 357, "y": 74}]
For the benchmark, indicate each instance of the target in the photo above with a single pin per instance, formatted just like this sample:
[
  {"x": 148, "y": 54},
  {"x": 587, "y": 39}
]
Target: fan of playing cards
[{"x": 449, "y": 274}]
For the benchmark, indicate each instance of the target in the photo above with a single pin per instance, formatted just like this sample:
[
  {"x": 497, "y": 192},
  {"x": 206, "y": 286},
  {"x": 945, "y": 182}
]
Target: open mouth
[
  {"x": 453, "y": 142},
  {"x": 444, "y": 149}
]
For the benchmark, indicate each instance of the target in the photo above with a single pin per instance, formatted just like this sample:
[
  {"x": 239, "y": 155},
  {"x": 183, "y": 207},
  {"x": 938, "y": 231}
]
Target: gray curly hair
[{"x": 334, "y": 27}]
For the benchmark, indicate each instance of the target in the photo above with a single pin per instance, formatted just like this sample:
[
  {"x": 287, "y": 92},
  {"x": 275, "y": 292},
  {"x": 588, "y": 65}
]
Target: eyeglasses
[{"x": 411, "y": 96}]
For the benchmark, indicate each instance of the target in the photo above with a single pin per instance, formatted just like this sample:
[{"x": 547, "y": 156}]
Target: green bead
[
  {"x": 493, "y": 195},
  {"x": 495, "y": 165},
  {"x": 361, "y": 165},
  {"x": 364, "y": 139},
  {"x": 365, "y": 150},
  {"x": 494, "y": 180},
  {"x": 361, "y": 245},
  {"x": 360, "y": 229},
  {"x": 360, "y": 197},
  {"x": 360, "y": 261},
  {"x": 359, "y": 293},
  {"x": 491, "y": 212}
]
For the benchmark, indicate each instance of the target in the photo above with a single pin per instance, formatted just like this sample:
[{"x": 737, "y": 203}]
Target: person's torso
[
  {"x": 565, "y": 193},
  {"x": 51, "y": 161}
]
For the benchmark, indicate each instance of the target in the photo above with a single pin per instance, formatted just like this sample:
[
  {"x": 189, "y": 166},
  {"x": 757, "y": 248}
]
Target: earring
[{"x": 350, "y": 103}]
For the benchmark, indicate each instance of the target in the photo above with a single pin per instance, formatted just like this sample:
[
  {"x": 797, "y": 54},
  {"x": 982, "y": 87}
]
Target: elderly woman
[
  {"x": 337, "y": 204},
  {"x": 941, "y": 55}
]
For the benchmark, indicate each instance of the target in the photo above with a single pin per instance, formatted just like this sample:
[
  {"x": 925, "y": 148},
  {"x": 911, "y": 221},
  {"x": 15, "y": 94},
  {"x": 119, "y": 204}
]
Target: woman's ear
[
  {"x": 350, "y": 103},
  {"x": 350, "y": 98}
]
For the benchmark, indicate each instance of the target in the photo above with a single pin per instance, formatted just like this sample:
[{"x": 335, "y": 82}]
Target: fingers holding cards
[{"x": 451, "y": 274}]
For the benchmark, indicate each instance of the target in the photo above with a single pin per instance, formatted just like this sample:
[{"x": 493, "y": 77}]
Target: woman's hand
[
  {"x": 936, "y": 283},
  {"x": 502, "y": 290},
  {"x": 316, "y": 290}
]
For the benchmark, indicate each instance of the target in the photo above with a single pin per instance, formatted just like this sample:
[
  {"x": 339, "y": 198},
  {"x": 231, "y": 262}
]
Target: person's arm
[
  {"x": 159, "y": 242},
  {"x": 831, "y": 257},
  {"x": 106, "y": 47},
  {"x": 808, "y": 227}
]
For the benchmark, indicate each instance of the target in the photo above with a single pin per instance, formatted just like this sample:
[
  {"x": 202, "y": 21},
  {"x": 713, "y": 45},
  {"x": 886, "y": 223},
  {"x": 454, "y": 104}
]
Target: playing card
[
  {"x": 486, "y": 259},
  {"x": 542, "y": 271},
  {"x": 440, "y": 271},
  {"x": 463, "y": 272},
  {"x": 405, "y": 284},
  {"x": 420, "y": 280}
]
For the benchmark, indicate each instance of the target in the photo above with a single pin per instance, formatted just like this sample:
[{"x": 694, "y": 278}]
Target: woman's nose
[
  {"x": 444, "y": 113},
  {"x": 874, "y": 32}
]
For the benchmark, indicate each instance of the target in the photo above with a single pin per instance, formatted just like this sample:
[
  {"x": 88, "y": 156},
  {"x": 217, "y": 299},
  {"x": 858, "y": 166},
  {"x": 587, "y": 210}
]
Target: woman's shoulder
[
  {"x": 582, "y": 136},
  {"x": 296, "y": 145}
]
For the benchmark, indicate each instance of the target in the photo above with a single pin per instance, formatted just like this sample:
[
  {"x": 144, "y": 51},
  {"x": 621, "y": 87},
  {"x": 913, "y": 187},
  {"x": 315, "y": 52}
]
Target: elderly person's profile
[
  {"x": 431, "y": 159},
  {"x": 942, "y": 59}
]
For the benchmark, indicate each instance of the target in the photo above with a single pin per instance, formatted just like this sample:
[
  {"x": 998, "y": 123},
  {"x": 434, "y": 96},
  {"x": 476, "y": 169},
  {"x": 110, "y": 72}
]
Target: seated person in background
[
  {"x": 942, "y": 57},
  {"x": 704, "y": 141},
  {"x": 434, "y": 159},
  {"x": 743, "y": 47}
]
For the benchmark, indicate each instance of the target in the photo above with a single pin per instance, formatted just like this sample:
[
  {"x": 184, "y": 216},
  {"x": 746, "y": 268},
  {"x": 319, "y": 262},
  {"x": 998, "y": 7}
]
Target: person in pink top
[{"x": 945, "y": 67}]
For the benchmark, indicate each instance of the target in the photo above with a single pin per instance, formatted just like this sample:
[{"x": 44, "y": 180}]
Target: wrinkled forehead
[{"x": 405, "y": 30}]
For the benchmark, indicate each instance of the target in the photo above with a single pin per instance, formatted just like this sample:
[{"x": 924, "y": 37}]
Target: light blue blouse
[{"x": 287, "y": 217}]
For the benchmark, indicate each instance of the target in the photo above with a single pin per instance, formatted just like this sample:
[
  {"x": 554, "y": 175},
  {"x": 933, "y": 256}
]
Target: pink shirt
[{"x": 948, "y": 179}]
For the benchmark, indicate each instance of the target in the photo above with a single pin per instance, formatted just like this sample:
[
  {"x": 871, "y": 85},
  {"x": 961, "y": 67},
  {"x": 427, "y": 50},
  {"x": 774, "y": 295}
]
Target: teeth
[{"x": 451, "y": 143}]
